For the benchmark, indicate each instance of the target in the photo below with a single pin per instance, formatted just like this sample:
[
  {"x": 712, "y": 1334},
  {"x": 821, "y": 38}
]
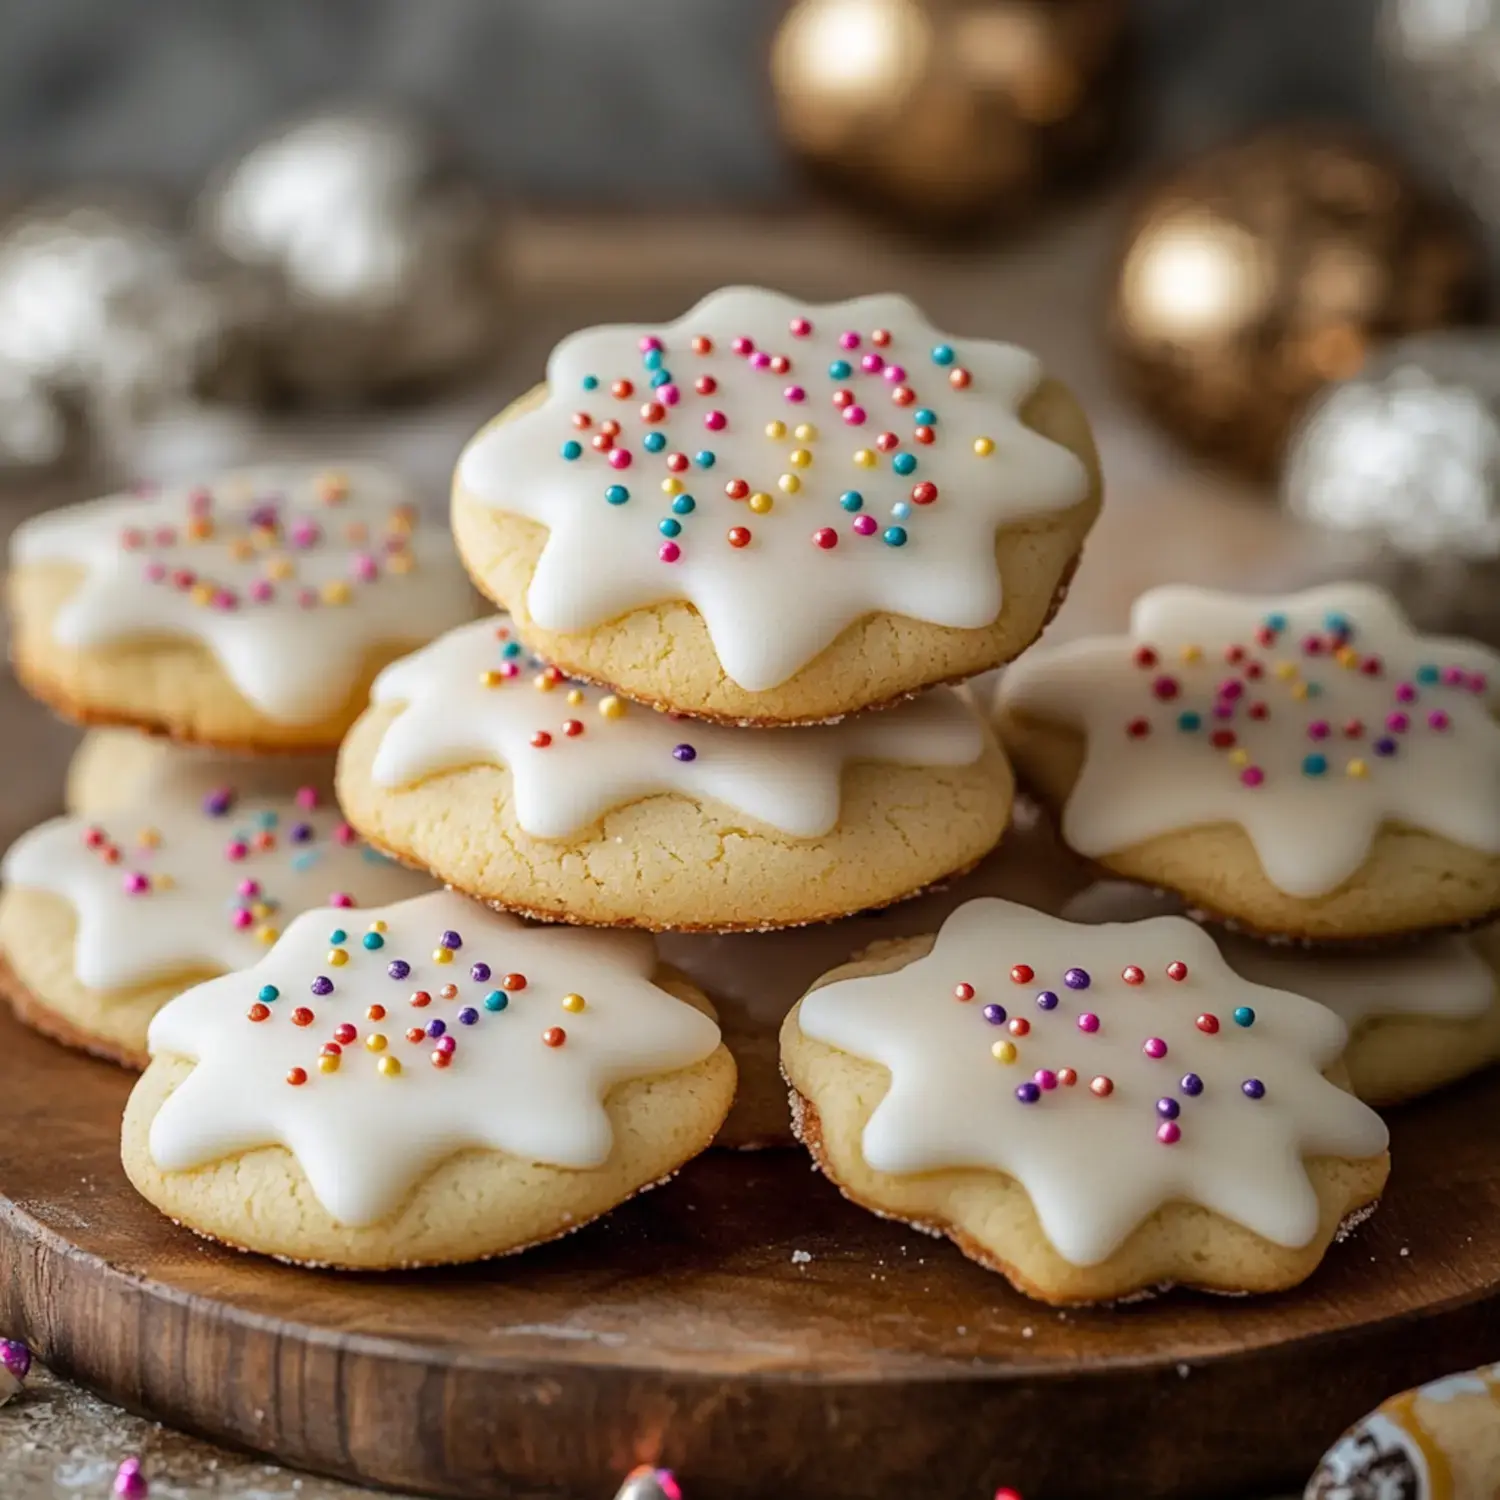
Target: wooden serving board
[{"x": 690, "y": 1328}]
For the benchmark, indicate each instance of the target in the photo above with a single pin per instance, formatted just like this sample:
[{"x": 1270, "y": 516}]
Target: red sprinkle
[
  {"x": 345, "y": 1033},
  {"x": 1133, "y": 974},
  {"x": 302, "y": 1016},
  {"x": 1207, "y": 1024},
  {"x": 513, "y": 982},
  {"x": 541, "y": 739},
  {"x": 1022, "y": 974},
  {"x": 963, "y": 991},
  {"x": 1177, "y": 970},
  {"x": 554, "y": 1036},
  {"x": 421, "y": 999},
  {"x": 259, "y": 1012},
  {"x": 296, "y": 1077},
  {"x": 825, "y": 537}
]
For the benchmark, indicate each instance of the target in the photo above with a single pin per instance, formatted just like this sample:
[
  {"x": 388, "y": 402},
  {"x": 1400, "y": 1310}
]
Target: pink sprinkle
[
  {"x": 248, "y": 888},
  {"x": 872, "y": 364},
  {"x": 224, "y": 600},
  {"x": 669, "y": 395},
  {"x": 1437, "y": 719},
  {"x": 1044, "y": 1078},
  {"x": 307, "y": 797},
  {"x": 345, "y": 834},
  {"x": 865, "y": 524},
  {"x": 136, "y": 884},
  {"x": 1252, "y": 776},
  {"x": 241, "y": 917},
  {"x": 1153, "y": 1046},
  {"x": 155, "y": 572},
  {"x": 716, "y": 421},
  {"x": 619, "y": 458},
  {"x": 1397, "y": 723},
  {"x": 669, "y": 552},
  {"x": 849, "y": 340},
  {"x": 1453, "y": 676},
  {"x": 363, "y": 567},
  {"x": 236, "y": 851},
  {"x": 341, "y": 898},
  {"x": 445, "y": 1044},
  {"x": 1406, "y": 692},
  {"x": 200, "y": 501},
  {"x": 509, "y": 669},
  {"x": 307, "y": 598},
  {"x": 896, "y": 374},
  {"x": 795, "y": 393},
  {"x": 1088, "y": 1021},
  {"x": 800, "y": 328},
  {"x": 261, "y": 591},
  {"x": 650, "y": 343},
  {"x": 1477, "y": 682},
  {"x": 780, "y": 364},
  {"x": 1231, "y": 688},
  {"x": 1223, "y": 709},
  {"x": 1318, "y": 729},
  {"x": 1312, "y": 645},
  {"x": 166, "y": 536},
  {"x": 855, "y": 416},
  {"x": 306, "y": 534},
  {"x": 760, "y": 361},
  {"x": 742, "y": 345},
  {"x": 1169, "y": 1132}
]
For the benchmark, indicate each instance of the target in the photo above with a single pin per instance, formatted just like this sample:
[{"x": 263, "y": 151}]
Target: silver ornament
[
  {"x": 102, "y": 321},
  {"x": 1403, "y": 462},
  {"x": 1443, "y": 59},
  {"x": 646, "y": 1483},
  {"x": 365, "y": 257},
  {"x": 15, "y": 1365}
]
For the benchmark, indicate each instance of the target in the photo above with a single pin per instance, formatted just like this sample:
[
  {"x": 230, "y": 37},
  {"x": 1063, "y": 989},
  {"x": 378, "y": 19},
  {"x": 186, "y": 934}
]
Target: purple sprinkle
[
  {"x": 995, "y": 1014},
  {"x": 451, "y": 939},
  {"x": 479, "y": 973},
  {"x": 468, "y": 1016},
  {"x": 1253, "y": 1088},
  {"x": 322, "y": 985},
  {"x": 1047, "y": 1000},
  {"x": 1385, "y": 745},
  {"x": 684, "y": 752},
  {"x": 1168, "y": 1109},
  {"x": 219, "y": 801},
  {"x": 1077, "y": 979},
  {"x": 15, "y": 1357},
  {"x": 1028, "y": 1093},
  {"x": 300, "y": 833},
  {"x": 1191, "y": 1084},
  {"x": 398, "y": 968},
  {"x": 436, "y": 1028}
]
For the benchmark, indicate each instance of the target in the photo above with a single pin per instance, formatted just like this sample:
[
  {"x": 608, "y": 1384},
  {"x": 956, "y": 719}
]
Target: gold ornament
[
  {"x": 950, "y": 111},
  {"x": 1259, "y": 272}
]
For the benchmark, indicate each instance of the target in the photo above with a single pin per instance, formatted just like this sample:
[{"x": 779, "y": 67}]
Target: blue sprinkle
[
  {"x": 925, "y": 417},
  {"x": 942, "y": 354},
  {"x": 373, "y": 940},
  {"x": 590, "y": 382},
  {"x": 661, "y": 378},
  {"x": 894, "y": 536},
  {"x": 684, "y": 505},
  {"x": 511, "y": 649},
  {"x": 852, "y": 500},
  {"x": 268, "y": 993},
  {"x": 1244, "y": 1016},
  {"x": 904, "y": 463},
  {"x": 1189, "y": 722},
  {"x": 305, "y": 860},
  {"x": 496, "y": 1000},
  {"x": 617, "y": 494},
  {"x": 654, "y": 442},
  {"x": 1314, "y": 765},
  {"x": 840, "y": 369},
  {"x": 901, "y": 510},
  {"x": 1337, "y": 623},
  {"x": 338, "y": 935},
  {"x": 652, "y": 359},
  {"x": 669, "y": 527},
  {"x": 572, "y": 450},
  {"x": 704, "y": 459},
  {"x": 1315, "y": 690},
  {"x": 1427, "y": 674},
  {"x": 266, "y": 819},
  {"x": 375, "y": 857},
  {"x": 1275, "y": 622}
]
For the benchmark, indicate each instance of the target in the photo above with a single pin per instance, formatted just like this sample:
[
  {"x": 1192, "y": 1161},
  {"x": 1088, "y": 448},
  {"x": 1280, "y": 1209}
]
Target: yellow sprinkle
[
  {"x": 805, "y": 432},
  {"x": 1357, "y": 768},
  {"x": 280, "y": 568},
  {"x": 338, "y": 957},
  {"x": 389, "y": 1065},
  {"x": 1286, "y": 670},
  {"x": 775, "y": 429},
  {"x": 267, "y": 935},
  {"x": 400, "y": 562},
  {"x": 442, "y": 955},
  {"x": 671, "y": 486},
  {"x": 865, "y": 458},
  {"x": 612, "y": 707},
  {"x": 760, "y": 502},
  {"x": 201, "y": 593},
  {"x": 983, "y": 447},
  {"x": 148, "y": 838},
  {"x": 163, "y": 882},
  {"x": 378, "y": 925},
  {"x": 333, "y": 487},
  {"x": 335, "y": 591},
  {"x": 263, "y": 539},
  {"x": 575, "y": 697},
  {"x": 1192, "y": 653},
  {"x": 242, "y": 550},
  {"x": 400, "y": 523},
  {"x": 1299, "y": 690},
  {"x": 375, "y": 1041},
  {"x": 1239, "y": 757},
  {"x": 199, "y": 529},
  {"x": 357, "y": 532},
  {"x": 799, "y": 458},
  {"x": 490, "y": 679},
  {"x": 789, "y": 484},
  {"x": 1346, "y": 656},
  {"x": 574, "y": 1003},
  {"x": 1004, "y": 1052},
  {"x": 543, "y": 682},
  {"x": 260, "y": 911},
  {"x": 328, "y": 1063}
]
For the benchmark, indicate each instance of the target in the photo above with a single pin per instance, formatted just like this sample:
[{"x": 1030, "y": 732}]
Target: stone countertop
[{"x": 1165, "y": 520}]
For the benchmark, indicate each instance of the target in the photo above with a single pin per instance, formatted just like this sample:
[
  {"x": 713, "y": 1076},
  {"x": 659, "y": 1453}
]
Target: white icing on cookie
[
  {"x": 575, "y": 752},
  {"x": 1445, "y": 978},
  {"x": 290, "y": 575},
  {"x": 393, "y": 1074},
  {"x": 1181, "y": 1125},
  {"x": 181, "y": 883},
  {"x": 742, "y": 485},
  {"x": 1309, "y": 720}
]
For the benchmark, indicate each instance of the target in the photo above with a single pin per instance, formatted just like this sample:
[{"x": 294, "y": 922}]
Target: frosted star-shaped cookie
[
  {"x": 1307, "y": 766},
  {"x": 249, "y": 612},
  {"x": 770, "y": 512},
  {"x": 521, "y": 787},
  {"x": 1420, "y": 1014},
  {"x": 421, "y": 1083},
  {"x": 103, "y": 920},
  {"x": 1092, "y": 1110}
]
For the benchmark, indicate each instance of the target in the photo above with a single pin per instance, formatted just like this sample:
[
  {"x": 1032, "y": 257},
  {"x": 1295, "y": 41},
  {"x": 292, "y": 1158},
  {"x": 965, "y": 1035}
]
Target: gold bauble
[
  {"x": 1260, "y": 271},
  {"x": 950, "y": 111}
]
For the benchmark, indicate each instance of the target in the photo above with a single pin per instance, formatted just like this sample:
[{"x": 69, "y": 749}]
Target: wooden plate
[{"x": 744, "y": 1325}]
